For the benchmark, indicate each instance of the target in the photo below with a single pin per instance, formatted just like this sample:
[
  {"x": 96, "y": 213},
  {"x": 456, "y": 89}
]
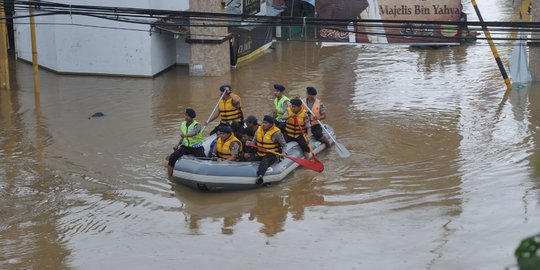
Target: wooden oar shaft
[
  {"x": 319, "y": 122},
  {"x": 266, "y": 150},
  {"x": 342, "y": 151},
  {"x": 213, "y": 111}
]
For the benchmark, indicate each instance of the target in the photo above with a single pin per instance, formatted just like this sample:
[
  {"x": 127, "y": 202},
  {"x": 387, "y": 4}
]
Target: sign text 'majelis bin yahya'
[{"x": 417, "y": 10}]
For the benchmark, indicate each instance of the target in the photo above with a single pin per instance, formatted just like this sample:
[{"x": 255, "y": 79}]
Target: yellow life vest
[
  {"x": 264, "y": 139},
  {"x": 223, "y": 149},
  {"x": 228, "y": 112},
  {"x": 291, "y": 127},
  {"x": 316, "y": 109}
]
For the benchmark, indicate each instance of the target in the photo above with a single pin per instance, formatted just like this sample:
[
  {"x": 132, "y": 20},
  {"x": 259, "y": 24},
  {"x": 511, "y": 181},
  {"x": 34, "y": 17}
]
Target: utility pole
[
  {"x": 31, "y": 7},
  {"x": 534, "y": 47},
  {"x": 495, "y": 53},
  {"x": 4, "y": 64}
]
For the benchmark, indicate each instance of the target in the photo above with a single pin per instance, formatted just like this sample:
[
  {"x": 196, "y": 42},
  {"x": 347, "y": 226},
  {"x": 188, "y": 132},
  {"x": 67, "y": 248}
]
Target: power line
[{"x": 162, "y": 18}]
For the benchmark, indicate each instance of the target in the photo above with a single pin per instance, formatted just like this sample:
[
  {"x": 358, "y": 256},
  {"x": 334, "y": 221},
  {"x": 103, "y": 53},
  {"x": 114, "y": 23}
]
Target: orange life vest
[{"x": 316, "y": 109}]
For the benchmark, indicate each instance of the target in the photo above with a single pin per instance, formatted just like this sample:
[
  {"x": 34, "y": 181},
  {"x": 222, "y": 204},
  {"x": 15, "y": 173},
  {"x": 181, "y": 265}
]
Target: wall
[
  {"x": 182, "y": 51},
  {"x": 94, "y": 47},
  {"x": 208, "y": 59}
]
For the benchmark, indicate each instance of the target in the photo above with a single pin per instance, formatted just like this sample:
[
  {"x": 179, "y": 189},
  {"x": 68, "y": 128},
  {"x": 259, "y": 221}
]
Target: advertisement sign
[
  {"x": 247, "y": 40},
  {"x": 377, "y": 32}
]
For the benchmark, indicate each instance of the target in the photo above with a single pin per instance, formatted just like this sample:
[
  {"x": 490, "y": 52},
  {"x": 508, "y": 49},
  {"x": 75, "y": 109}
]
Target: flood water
[{"x": 440, "y": 176}]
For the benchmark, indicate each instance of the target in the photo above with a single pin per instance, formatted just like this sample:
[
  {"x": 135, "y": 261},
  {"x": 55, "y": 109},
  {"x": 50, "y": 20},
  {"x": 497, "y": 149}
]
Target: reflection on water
[
  {"x": 30, "y": 201},
  {"x": 438, "y": 170},
  {"x": 270, "y": 209}
]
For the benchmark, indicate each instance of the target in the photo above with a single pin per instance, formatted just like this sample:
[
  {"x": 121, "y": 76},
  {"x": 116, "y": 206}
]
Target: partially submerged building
[{"x": 73, "y": 43}]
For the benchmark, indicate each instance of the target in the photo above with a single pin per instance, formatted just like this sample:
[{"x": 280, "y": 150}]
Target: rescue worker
[
  {"x": 297, "y": 125},
  {"x": 252, "y": 123},
  {"x": 228, "y": 147},
  {"x": 268, "y": 137},
  {"x": 190, "y": 142},
  {"x": 230, "y": 110},
  {"x": 247, "y": 151},
  {"x": 246, "y": 135},
  {"x": 281, "y": 103},
  {"x": 319, "y": 113}
]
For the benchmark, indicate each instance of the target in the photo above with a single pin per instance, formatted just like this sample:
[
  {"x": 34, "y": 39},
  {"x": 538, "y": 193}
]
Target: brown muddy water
[{"x": 439, "y": 177}]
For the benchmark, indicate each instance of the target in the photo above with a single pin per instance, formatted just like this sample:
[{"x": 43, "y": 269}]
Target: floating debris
[{"x": 97, "y": 114}]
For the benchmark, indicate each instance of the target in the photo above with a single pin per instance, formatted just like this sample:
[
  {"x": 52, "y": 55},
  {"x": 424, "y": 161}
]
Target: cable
[{"x": 164, "y": 18}]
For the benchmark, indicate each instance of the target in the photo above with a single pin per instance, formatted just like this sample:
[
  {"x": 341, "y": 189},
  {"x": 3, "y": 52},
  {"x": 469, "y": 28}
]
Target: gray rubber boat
[{"x": 209, "y": 175}]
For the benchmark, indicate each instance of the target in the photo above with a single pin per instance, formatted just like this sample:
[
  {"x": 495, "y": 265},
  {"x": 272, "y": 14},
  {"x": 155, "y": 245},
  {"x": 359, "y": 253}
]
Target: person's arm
[
  {"x": 212, "y": 118},
  {"x": 287, "y": 116},
  {"x": 254, "y": 141},
  {"x": 278, "y": 137},
  {"x": 181, "y": 141},
  {"x": 214, "y": 149},
  {"x": 235, "y": 149},
  {"x": 307, "y": 121},
  {"x": 196, "y": 129},
  {"x": 182, "y": 134},
  {"x": 236, "y": 101},
  {"x": 322, "y": 112},
  {"x": 285, "y": 106},
  {"x": 307, "y": 125}
]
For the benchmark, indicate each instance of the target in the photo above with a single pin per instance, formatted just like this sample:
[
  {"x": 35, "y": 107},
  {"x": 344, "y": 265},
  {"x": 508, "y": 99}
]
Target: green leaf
[{"x": 527, "y": 253}]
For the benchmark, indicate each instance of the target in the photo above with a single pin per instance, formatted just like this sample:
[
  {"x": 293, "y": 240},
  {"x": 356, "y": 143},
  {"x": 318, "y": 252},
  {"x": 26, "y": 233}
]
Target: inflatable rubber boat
[{"x": 211, "y": 175}]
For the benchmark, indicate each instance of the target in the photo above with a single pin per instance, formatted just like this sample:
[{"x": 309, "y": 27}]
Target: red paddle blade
[{"x": 314, "y": 165}]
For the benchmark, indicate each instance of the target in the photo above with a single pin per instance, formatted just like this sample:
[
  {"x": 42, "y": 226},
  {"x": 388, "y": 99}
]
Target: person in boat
[
  {"x": 281, "y": 103},
  {"x": 319, "y": 113},
  {"x": 270, "y": 138},
  {"x": 252, "y": 123},
  {"x": 228, "y": 147},
  {"x": 297, "y": 125},
  {"x": 191, "y": 140},
  {"x": 230, "y": 110},
  {"x": 247, "y": 151}
]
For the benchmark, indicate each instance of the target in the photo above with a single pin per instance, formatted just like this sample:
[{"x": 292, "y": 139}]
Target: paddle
[
  {"x": 341, "y": 150},
  {"x": 306, "y": 163},
  {"x": 213, "y": 111}
]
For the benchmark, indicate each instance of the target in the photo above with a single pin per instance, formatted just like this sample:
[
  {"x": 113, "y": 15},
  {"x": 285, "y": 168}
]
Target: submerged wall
[{"x": 81, "y": 44}]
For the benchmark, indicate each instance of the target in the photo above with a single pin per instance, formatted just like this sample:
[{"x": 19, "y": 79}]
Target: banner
[
  {"x": 403, "y": 32},
  {"x": 251, "y": 7},
  {"x": 248, "y": 40}
]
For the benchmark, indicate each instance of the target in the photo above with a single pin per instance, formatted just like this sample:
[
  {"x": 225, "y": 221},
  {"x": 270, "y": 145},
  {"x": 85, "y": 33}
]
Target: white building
[
  {"x": 89, "y": 45},
  {"x": 81, "y": 44}
]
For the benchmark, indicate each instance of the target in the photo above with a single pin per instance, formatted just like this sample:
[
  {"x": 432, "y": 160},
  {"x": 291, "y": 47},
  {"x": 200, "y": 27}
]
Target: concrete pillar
[
  {"x": 534, "y": 49},
  {"x": 209, "y": 46}
]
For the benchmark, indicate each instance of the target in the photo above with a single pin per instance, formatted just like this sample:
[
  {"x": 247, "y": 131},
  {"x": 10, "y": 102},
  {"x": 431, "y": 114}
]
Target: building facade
[
  {"x": 89, "y": 45},
  {"x": 80, "y": 44}
]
